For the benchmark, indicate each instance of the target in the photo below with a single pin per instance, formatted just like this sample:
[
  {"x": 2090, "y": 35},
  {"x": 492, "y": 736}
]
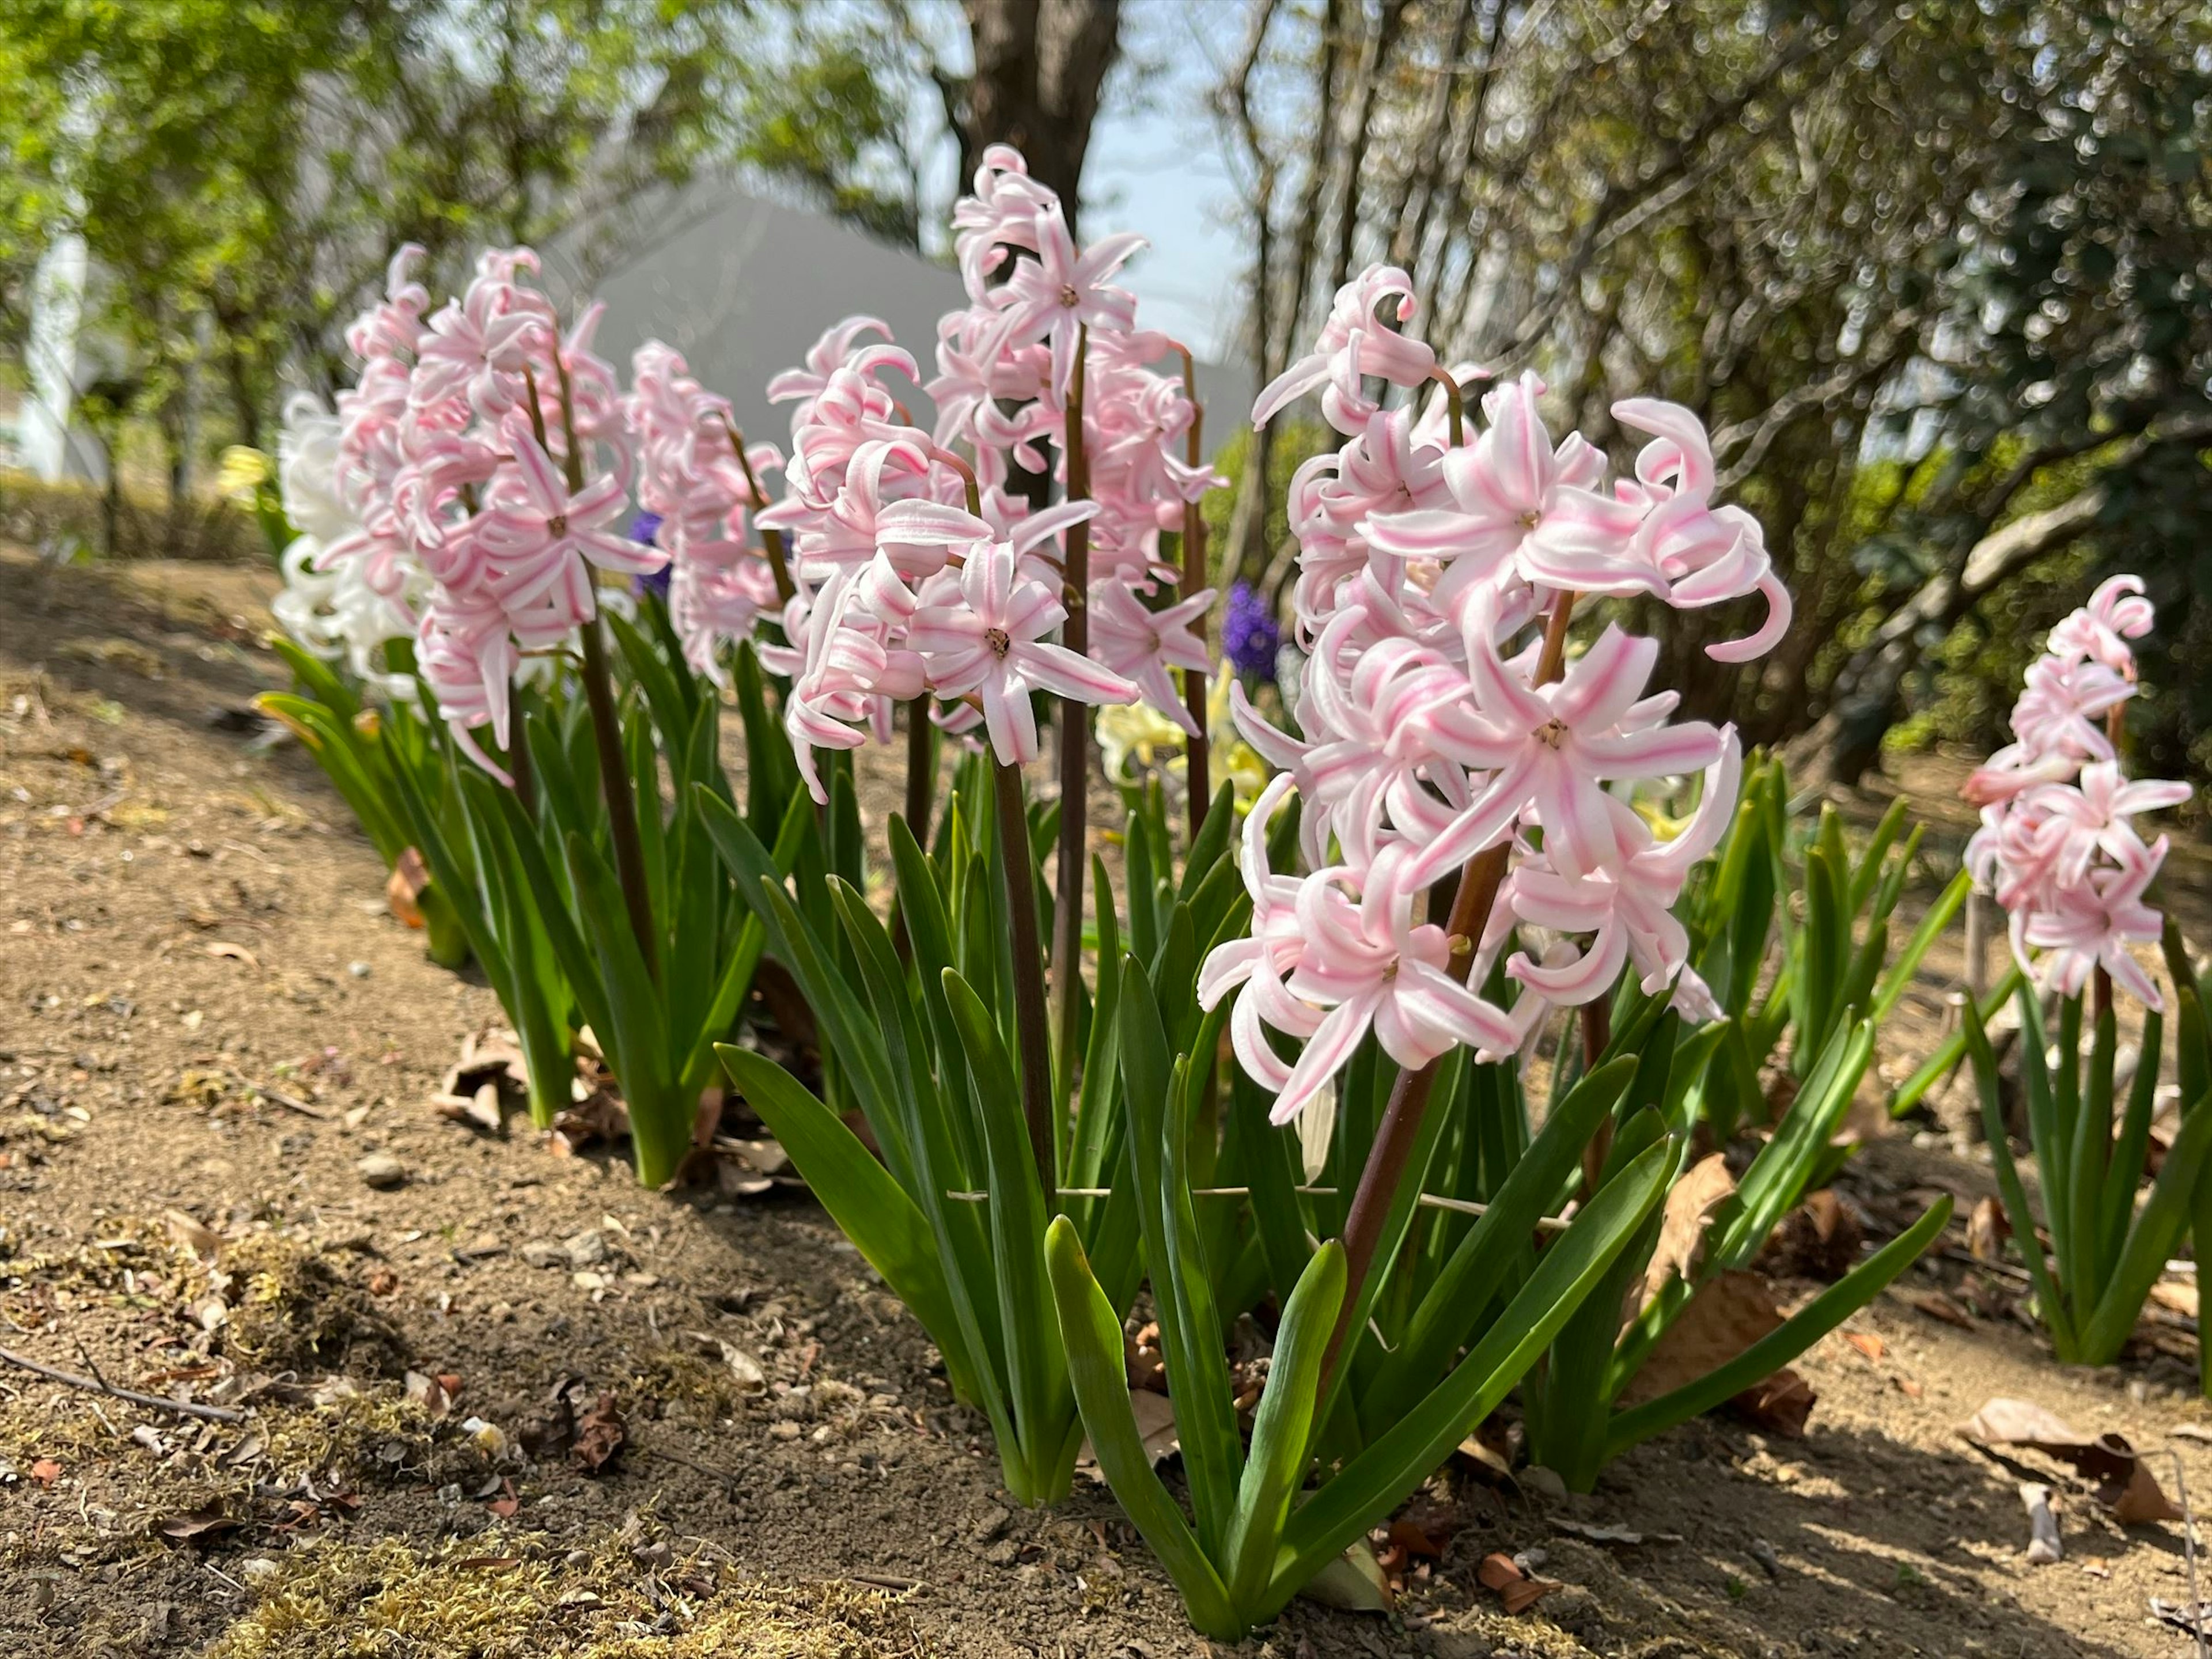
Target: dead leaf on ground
[
  {"x": 1514, "y": 1588},
  {"x": 599, "y": 1434},
  {"x": 2123, "y": 1485},
  {"x": 1865, "y": 1342},
  {"x": 1937, "y": 1305},
  {"x": 1156, "y": 1428},
  {"x": 434, "y": 1394},
  {"x": 1819, "y": 1239},
  {"x": 1780, "y": 1402},
  {"x": 403, "y": 891},
  {"x": 2176, "y": 1296},
  {"x": 1731, "y": 1312},
  {"x": 46, "y": 1471},
  {"x": 489, "y": 1077},
  {"x": 230, "y": 952},
  {"x": 1987, "y": 1228},
  {"x": 207, "y": 1523},
  {"x": 1690, "y": 1204},
  {"x": 1410, "y": 1538},
  {"x": 202, "y": 1241}
]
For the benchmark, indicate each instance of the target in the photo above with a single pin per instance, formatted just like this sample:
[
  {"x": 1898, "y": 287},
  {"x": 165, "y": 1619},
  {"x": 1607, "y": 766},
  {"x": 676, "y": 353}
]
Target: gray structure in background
[{"x": 742, "y": 286}]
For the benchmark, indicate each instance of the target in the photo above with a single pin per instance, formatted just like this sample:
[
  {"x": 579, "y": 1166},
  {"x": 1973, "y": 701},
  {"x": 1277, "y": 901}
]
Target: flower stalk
[
  {"x": 1029, "y": 1011},
  {"x": 1074, "y": 744},
  {"x": 1401, "y": 1129},
  {"x": 1199, "y": 778},
  {"x": 599, "y": 699}
]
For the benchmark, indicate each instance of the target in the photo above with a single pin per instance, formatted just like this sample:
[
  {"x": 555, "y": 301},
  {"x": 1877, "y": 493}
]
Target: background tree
[{"x": 1936, "y": 279}]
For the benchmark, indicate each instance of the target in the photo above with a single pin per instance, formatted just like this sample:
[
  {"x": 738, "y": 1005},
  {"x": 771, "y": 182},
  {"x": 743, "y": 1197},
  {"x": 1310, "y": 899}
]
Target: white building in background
[{"x": 42, "y": 440}]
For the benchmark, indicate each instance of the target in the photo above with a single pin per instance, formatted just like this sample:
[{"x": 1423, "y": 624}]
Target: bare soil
[{"x": 208, "y": 1019}]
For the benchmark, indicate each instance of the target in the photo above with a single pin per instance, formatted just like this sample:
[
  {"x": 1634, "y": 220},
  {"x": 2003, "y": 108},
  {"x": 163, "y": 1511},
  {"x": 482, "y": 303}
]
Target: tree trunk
[{"x": 1040, "y": 67}]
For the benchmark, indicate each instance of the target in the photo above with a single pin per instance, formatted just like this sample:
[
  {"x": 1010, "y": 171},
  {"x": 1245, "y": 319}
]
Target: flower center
[
  {"x": 1551, "y": 733},
  {"x": 1390, "y": 970},
  {"x": 1531, "y": 518},
  {"x": 997, "y": 639},
  {"x": 1069, "y": 297},
  {"x": 558, "y": 524}
]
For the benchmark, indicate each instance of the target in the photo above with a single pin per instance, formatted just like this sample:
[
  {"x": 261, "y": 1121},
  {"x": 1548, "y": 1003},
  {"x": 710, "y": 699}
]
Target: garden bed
[{"x": 210, "y": 1011}]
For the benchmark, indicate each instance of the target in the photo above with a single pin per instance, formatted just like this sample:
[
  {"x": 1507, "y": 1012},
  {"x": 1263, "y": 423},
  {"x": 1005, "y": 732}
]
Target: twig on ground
[
  {"x": 152, "y": 1401},
  {"x": 279, "y": 1097}
]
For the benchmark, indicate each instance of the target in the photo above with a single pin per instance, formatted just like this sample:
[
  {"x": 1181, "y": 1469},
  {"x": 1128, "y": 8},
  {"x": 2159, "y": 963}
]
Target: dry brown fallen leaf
[
  {"x": 46, "y": 1471},
  {"x": 1865, "y": 1342},
  {"x": 1156, "y": 1427},
  {"x": 1514, "y": 1588},
  {"x": 403, "y": 891},
  {"x": 231, "y": 952},
  {"x": 599, "y": 1434},
  {"x": 202, "y": 1241},
  {"x": 1818, "y": 1239},
  {"x": 1410, "y": 1538},
  {"x": 2124, "y": 1487},
  {"x": 198, "y": 1524},
  {"x": 1690, "y": 1204},
  {"x": 1937, "y": 1305},
  {"x": 2175, "y": 1296},
  {"x": 1731, "y": 1312},
  {"x": 1987, "y": 1228}
]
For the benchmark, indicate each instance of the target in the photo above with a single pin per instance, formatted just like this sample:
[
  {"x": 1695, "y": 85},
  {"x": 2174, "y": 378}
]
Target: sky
[{"x": 1158, "y": 166}]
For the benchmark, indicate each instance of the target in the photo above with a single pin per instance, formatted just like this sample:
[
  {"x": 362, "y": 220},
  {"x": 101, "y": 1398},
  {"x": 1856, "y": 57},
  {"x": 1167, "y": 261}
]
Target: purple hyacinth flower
[
  {"x": 1250, "y": 635},
  {"x": 643, "y": 528}
]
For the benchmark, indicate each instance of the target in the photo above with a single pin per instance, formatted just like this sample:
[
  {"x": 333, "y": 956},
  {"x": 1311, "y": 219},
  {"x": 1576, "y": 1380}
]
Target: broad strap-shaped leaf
[
  {"x": 1777, "y": 1177},
  {"x": 1091, "y": 1332},
  {"x": 1283, "y": 1427},
  {"x": 1190, "y": 1329},
  {"x": 2128, "y": 1150},
  {"x": 1446, "y": 1316},
  {"x": 2056, "y": 1313},
  {"x": 2157, "y": 1229},
  {"x": 1036, "y": 1365},
  {"x": 861, "y": 1197},
  {"x": 1379, "y": 1479}
]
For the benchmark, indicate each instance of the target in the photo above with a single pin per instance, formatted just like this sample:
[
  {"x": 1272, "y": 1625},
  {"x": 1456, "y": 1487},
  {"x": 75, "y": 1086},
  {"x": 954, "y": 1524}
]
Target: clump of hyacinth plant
[
  {"x": 2059, "y": 848},
  {"x": 482, "y": 475},
  {"x": 955, "y": 576},
  {"x": 1472, "y": 868}
]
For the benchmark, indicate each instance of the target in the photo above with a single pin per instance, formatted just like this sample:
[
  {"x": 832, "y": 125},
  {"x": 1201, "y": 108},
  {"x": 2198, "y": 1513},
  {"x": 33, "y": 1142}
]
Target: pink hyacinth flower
[
  {"x": 992, "y": 645},
  {"x": 1374, "y": 968},
  {"x": 1554, "y": 747},
  {"x": 1521, "y": 507},
  {"x": 1354, "y": 342}
]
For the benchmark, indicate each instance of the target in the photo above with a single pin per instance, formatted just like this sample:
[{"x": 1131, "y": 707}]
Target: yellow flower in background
[
  {"x": 1134, "y": 730},
  {"x": 1135, "y": 733},
  {"x": 245, "y": 470}
]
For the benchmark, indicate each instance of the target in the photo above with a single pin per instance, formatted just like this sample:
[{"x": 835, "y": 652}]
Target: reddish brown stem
[
  {"x": 599, "y": 697},
  {"x": 1074, "y": 745},
  {"x": 772, "y": 540},
  {"x": 1031, "y": 1033},
  {"x": 1597, "y": 1032},
  {"x": 1200, "y": 779},
  {"x": 1395, "y": 1137}
]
